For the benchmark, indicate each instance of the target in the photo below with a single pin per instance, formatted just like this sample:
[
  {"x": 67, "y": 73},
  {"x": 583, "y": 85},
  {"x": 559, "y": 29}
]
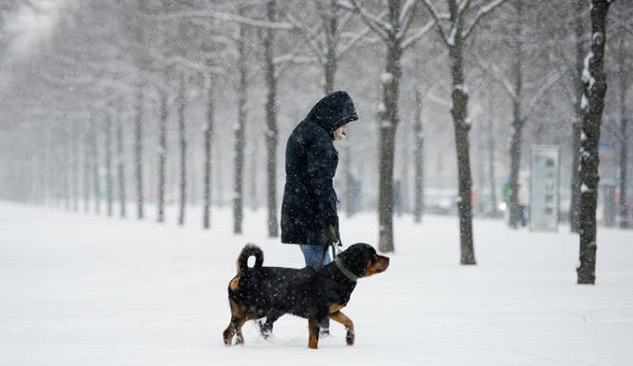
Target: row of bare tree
[{"x": 145, "y": 63}]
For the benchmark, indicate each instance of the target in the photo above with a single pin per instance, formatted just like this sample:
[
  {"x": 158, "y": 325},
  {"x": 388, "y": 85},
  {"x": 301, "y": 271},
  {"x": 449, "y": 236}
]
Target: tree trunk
[
  {"x": 121, "y": 163},
  {"x": 75, "y": 162},
  {"x": 515, "y": 166},
  {"x": 138, "y": 153},
  {"x": 88, "y": 146},
  {"x": 238, "y": 184},
  {"x": 402, "y": 189},
  {"x": 491, "y": 164},
  {"x": 576, "y": 125},
  {"x": 95, "y": 166},
  {"x": 162, "y": 154},
  {"x": 208, "y": 137},
  {"x": 517, "y": 122},
  {"x": 271, "y": 121},
  {"x": 386, "y": 187},
  {"x": 254, "y": 176},
  {"x": 418, "y": 134},
  {"x": 574, "y": 206},
  {"x": 66, "y": 167},
  {"x": 388, "y": 125},
  {"x": 624, "y": 141},
  {"x": 459, "y": 112},
  {"x": 329, "y": 18},
  {"x": 624, "y": 160},
  {"x": 595, "y": 83},
  {"x": 182, "y": 133},
  {"x": 350, "y": 209},
  {"x": 108, "y": 163}
]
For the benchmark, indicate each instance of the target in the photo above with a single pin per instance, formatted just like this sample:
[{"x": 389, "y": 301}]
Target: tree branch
[
  {"x": 310, "y": 36},
  {"x": 494, "y": 72},
  {"x": 540, "y": 93},
  {"x": 359, "y": 36},
  {"x": 437, "y": 17},
  {"x": 378, "y": 26},
  {"x": 227, "y": 17},
  {"x": 408, "y": 42},
  {"x": 483, "y": 11}
]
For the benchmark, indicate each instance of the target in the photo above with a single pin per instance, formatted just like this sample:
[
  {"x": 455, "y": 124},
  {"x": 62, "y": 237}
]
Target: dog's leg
[
  {"x": 348, "y": 323},
  {"x": 313, "y": 337},
  {"x": 266, "y": 328},
  {"x": 238, "y": 317},
  {"x": 238, "y": 331},
  {"x": 234, "y": 328},
  {"x": 228, "y": 334}
]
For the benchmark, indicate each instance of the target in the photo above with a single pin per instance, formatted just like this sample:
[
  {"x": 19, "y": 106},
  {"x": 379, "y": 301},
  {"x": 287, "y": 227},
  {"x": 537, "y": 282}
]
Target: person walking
[{"x": 308, "y": 211}]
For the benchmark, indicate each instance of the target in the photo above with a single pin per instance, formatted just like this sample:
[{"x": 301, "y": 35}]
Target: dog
[{"x": 312, "y": 293}]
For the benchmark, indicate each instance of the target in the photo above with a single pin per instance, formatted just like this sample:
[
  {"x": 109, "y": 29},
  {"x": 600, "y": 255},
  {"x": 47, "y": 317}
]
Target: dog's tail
[{"x": 248, "y": 251}]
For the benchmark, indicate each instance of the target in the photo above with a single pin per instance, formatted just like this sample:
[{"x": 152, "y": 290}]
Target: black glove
[{"x": 330, "y": 236}]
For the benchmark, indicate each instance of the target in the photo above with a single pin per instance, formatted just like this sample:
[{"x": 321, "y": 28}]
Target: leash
[
  {"x": 335, "y": 251},
  {"x": 334, "y": 244}
]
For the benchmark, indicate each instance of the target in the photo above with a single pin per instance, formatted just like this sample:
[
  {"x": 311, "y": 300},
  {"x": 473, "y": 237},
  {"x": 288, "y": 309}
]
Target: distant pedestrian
[{"x": 524, "y": 200}]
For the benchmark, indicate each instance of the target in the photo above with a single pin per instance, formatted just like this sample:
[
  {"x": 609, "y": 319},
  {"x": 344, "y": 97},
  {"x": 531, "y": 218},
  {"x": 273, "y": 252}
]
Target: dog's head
[{"x": 363, "y": 261}]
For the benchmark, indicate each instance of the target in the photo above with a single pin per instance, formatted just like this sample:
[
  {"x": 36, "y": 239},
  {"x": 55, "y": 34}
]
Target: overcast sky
[
  {"x": 32, "y": 25},
  {"x": 28, "y": 29}
]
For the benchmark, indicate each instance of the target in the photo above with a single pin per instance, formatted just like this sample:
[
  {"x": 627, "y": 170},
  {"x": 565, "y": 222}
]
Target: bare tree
[
  {"x": 623, "y": 77},
  {"x": 579, "y": 33},
  {"x": 454, "y": 39},
  {"x": 394, "y": 33},
  {"x": 120, "y": 160},
  {"x": 182, "y": 139},
  {"x": 271, "y": 121},
  {"x": 419, "y": 159},
  {"x": 138, "y": 152},
  {"x": 108, "y": 161},
  {"x": 87, "y": 159},
  {"x": 327, "y": 40},
  {"x": 491, "y": 158},
  {"x": 75, "y": 156},
  {"x": 235, "y": 59},
  {"x": 162, "y": 152},
  {"x": 208, "y": 158},
  {"x": 522, "y": 107},
  {"x": 242, "y": 89},
  {"x": 595, "y": 89},
  {"x": 95, "y": 165}
]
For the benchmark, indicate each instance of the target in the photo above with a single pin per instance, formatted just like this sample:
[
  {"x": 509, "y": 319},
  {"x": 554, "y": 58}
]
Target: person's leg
[{"x": 312, "y": 255}]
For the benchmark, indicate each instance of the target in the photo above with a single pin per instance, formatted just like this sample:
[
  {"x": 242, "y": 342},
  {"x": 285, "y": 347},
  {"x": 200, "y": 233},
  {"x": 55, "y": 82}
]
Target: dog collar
[{"x": 352, "y": 277}]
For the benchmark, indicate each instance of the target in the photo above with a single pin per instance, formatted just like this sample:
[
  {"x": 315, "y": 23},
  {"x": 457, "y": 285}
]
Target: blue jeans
[{"x": 313, "y": 254}]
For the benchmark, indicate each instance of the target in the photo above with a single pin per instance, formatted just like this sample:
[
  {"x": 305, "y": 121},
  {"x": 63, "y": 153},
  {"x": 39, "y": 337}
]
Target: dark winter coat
[{"x": 309, "y": 202}]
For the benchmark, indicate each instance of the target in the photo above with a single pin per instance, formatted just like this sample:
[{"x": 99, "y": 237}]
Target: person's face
[{"x": 340, "y": 133}]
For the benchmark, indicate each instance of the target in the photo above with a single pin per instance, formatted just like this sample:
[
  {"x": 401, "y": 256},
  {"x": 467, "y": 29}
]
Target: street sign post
[{"x": 544, "y": 188}]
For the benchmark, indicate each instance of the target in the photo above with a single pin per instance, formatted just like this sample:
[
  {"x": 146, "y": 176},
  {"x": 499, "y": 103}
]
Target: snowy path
[{"x": 86, "y": 290}]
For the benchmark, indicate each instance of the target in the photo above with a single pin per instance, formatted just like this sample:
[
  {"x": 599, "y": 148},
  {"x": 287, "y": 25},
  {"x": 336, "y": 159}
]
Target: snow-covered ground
[{"x": 86, "y": 290}]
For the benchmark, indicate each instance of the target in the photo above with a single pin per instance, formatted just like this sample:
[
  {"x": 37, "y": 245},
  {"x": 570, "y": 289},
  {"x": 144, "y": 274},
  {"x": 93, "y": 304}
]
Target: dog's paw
[{"x": 349, "y": 338}]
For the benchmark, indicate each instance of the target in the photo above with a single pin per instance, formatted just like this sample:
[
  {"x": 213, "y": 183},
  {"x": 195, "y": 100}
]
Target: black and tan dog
[{"x": 312, "y": 293}]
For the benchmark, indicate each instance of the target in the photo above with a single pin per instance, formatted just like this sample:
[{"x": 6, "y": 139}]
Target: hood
[{"x": 333, "y": 111}]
